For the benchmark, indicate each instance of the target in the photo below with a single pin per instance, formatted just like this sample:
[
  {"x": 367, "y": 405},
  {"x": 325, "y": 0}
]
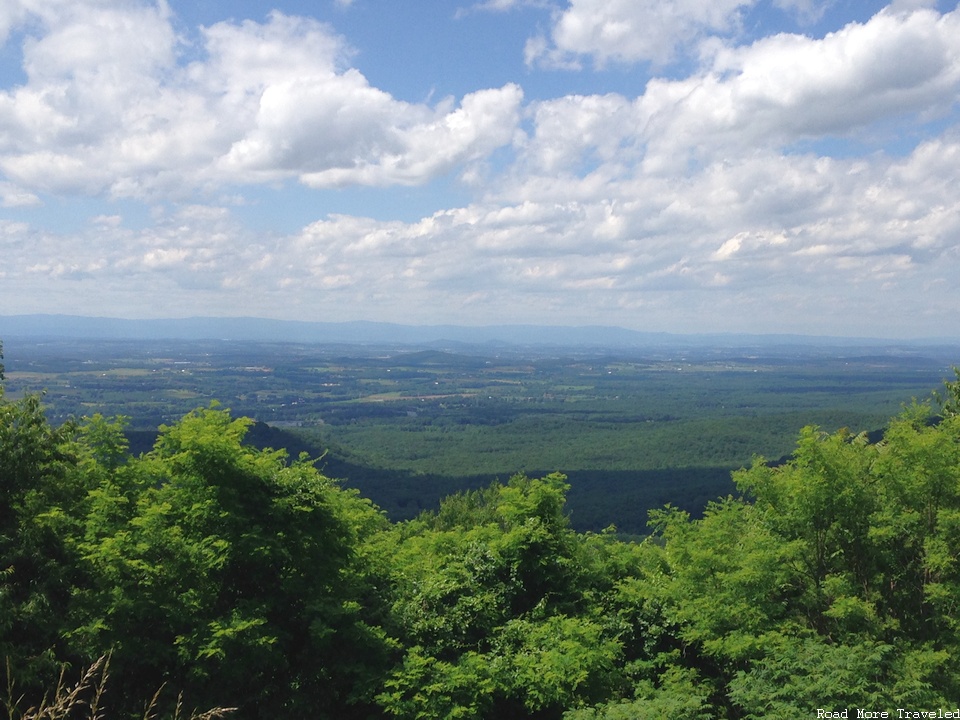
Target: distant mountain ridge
[{"x": 381, "y": 333}]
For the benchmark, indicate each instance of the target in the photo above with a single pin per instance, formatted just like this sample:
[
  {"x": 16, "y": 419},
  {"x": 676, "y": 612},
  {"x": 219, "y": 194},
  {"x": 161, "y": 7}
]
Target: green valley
[{"x": 631, "y": 428}]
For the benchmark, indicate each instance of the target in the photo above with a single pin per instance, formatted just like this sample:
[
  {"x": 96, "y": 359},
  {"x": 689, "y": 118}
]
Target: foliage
[
  {"x": 838, "y": 580},
  {"x": 950, "y": 401},
  {"x": 494, "y": 599},
  {"x": 236, "y": 576},
  {"x": 38, "y": 478},
  {"x": 220, "y": 569}
]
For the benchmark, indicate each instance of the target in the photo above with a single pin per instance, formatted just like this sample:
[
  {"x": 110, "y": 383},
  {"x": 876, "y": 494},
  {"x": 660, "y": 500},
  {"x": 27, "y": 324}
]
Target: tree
[
  {"x": 494, "y": 604},
  {"x": 38, "y": 491},
  {"x": 949, "y": 402},
  {"x": 225, "y": 572},
  {"x": 834, "y": 579},
  {"x": 228, "y": 572},
  {"x": 242, "y": 578}
]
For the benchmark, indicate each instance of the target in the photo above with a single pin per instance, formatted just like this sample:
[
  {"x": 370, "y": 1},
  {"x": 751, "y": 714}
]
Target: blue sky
[{"x": 733, "y": 165}]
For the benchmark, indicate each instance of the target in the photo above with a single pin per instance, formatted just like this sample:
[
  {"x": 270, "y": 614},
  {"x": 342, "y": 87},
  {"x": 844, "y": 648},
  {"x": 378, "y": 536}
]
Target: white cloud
[
  {"x": 501, "y": 6},
  {"x": 498, "y": 5},
  {"x": 909, "y": 5},
  {"x": 11, "y": 196},
  {"x": 787, "y": 88},
  {"x": 771, "y": 238},
  {"x": 632, "y": 30},
  {"x": 106, "y": 108},
  {"x": 811, "y": 225},
  {"x": 11, "y": 14},
  {"x": 112, "y": 221},
  {"x": 417, "y": 144},
  {"x": 763, "y": 97},
  {"x": 92, "y": 90},
  {"x": 574, "y": 130},
  {"x": 700, "y": 203},
  {"x": 809, "y": 11}
]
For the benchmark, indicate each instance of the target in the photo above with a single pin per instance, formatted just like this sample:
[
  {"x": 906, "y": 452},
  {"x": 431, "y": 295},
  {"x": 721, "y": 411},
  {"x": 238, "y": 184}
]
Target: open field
[{"x": 632, "y": 429}]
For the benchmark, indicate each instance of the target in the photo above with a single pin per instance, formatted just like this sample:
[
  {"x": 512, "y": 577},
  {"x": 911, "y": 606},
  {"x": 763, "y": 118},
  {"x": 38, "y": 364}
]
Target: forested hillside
[{"x": 236, "y": 577}]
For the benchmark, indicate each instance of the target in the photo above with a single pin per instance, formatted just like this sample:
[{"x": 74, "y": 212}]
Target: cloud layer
[
  {"x": 108, "y": 109},
  {"x": 785, "y": 183}
]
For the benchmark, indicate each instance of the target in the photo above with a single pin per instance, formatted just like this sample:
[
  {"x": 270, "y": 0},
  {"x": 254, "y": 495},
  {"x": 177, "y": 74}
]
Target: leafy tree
[
  {"x": 676, "y": 692},
  {"x": 37, "y": 571},
  {"x": 799, "y": 673},
  {"x": 246, "y": 579},
  {"x": 950, "y": 401},
  {"x": 494, "y": 604},
  {"x": 229, "y": 572},
  {"x": 224, "y": 571},
  {"x": 837, "y": 580}
]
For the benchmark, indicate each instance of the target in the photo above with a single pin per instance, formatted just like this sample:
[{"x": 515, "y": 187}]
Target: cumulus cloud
[
  {"x": 417, "y": 144},
  {"x": 772, "y": 93},
  {"x": 776, "y": 237},
  {"x": 700, "y": 202},
  {"x": 11, "y": 196},
  {"x": 631, "y": 30},
  {"x": 580, "y": 129},
  {"x": 107, "y": 108},
  {"x": 893, "y": 64},
  {"x": 770, "y": 229},
  {"x": 11, "y": 15},
  {"x": 328, "y": 126}
]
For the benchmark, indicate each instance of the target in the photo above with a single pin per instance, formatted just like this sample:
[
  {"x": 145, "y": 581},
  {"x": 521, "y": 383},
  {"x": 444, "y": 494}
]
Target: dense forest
[{"x": 207, "y": 573}]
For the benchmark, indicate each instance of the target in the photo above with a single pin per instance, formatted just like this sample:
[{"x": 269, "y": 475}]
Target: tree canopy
[{"x": 240, "y": 577}]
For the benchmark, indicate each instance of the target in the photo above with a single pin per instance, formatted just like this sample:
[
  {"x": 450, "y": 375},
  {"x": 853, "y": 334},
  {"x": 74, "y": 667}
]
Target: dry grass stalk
[
  {"x": 66, "y": 699},
  {"x": 150, "y": 713},
  {"x": 88, "y": 692}
]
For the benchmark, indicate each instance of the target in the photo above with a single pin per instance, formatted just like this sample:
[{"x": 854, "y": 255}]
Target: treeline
[{"x": 234, "y": 577}]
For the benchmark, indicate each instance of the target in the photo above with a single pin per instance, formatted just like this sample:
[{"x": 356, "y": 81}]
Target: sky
[{"x": 758, "y": 166}]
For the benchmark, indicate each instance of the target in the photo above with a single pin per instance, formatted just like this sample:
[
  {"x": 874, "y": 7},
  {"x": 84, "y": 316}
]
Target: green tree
[
  {"x": 835, "y": 580},
  {"x": 496, "y": 605},
  {"x": 39, "y": 488},
  {"x": 949, "y": 402},
  {"x": 245, "y": 579},
  {"x": 228, "y": 572}
]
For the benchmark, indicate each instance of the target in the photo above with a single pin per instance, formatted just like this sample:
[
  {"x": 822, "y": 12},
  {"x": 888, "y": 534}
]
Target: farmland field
[{"x": 632, "y": 429}]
